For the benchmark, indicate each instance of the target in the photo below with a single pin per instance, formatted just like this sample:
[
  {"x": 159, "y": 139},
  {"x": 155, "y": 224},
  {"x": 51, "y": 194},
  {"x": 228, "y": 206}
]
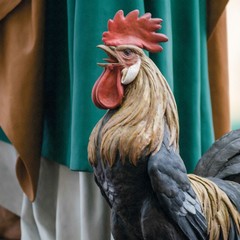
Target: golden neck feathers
[{"x": 138, "y": 125}]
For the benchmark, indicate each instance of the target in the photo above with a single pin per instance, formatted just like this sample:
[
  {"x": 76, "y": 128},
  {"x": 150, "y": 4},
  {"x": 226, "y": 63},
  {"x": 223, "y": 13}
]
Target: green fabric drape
[
  {"x": 73, "y": 30},
  {"x": 3, "y": 137}
]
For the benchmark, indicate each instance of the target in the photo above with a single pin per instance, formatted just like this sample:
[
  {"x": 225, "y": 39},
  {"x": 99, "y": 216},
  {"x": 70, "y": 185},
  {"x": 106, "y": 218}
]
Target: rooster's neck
[{"x": 137, "y": 126}]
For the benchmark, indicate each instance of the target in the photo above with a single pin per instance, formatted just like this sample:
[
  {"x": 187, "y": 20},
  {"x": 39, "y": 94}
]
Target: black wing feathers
[
  {"x": 175, "y": 194},
  {"x": 222, "y": 160}
]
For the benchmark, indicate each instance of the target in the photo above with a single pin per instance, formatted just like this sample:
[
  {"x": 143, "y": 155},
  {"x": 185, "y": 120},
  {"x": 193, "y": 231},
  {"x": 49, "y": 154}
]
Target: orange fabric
[
  {"x": 218, "y": 66},
  {"x": 21, "y": 51},
  {"x": 7, "y": 6},
  {"x": 214, "y": 12}
]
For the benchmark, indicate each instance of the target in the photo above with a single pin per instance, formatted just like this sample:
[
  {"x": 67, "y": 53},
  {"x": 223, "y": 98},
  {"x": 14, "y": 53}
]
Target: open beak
[
  {"x": 108, "y": 91},
  {"x": 112, "y": 56}
]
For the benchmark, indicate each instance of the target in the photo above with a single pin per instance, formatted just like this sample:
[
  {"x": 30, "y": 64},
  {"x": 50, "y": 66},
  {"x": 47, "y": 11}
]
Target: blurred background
[{"x": 233, "y": 20}]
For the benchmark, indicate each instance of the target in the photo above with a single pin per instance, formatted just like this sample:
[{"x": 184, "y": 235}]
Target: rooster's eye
[{"x": 127, "y": 52}]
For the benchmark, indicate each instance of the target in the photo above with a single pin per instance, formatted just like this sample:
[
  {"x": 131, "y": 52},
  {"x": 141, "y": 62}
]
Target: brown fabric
[
  {"x": 218, "y": 67},
  {"x": 21, "y": 51},
  {"x": 7, "y": 6},
  {"x": 214, "y": 12},
  {"x": 9, "y": 225}
]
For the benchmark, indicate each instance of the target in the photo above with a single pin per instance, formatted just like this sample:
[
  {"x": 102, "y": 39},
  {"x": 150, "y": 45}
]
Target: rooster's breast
[{"x": 126, "y": 186}]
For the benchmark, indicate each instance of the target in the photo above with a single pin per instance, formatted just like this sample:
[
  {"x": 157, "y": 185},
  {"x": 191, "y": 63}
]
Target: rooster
[{"x": 134, "y": 148}]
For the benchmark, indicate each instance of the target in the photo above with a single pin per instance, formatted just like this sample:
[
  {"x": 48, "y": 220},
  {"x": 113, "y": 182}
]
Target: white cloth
[
  {"x": 10, "y": 192},
  {"x": 68, "y": 205}
]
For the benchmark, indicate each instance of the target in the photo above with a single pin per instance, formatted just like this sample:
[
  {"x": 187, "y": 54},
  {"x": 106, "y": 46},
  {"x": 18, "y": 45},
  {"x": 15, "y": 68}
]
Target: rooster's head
[{"x": 124, "y": 41}]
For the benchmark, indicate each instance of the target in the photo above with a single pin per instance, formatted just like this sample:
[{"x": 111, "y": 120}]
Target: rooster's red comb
[{"x": 134, "y": 30}]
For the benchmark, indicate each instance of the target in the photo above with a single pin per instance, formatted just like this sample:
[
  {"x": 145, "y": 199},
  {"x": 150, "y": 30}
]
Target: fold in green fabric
[
  {"x": 74, "y": 28},
  {"x": 3, "y": 137}
]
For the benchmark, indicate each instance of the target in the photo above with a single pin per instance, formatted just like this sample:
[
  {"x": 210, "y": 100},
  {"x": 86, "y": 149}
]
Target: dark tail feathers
[{"x": 222, "y": 160}]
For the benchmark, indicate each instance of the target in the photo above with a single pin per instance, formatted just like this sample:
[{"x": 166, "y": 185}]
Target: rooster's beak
[{"x": 112, "y": 56}]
